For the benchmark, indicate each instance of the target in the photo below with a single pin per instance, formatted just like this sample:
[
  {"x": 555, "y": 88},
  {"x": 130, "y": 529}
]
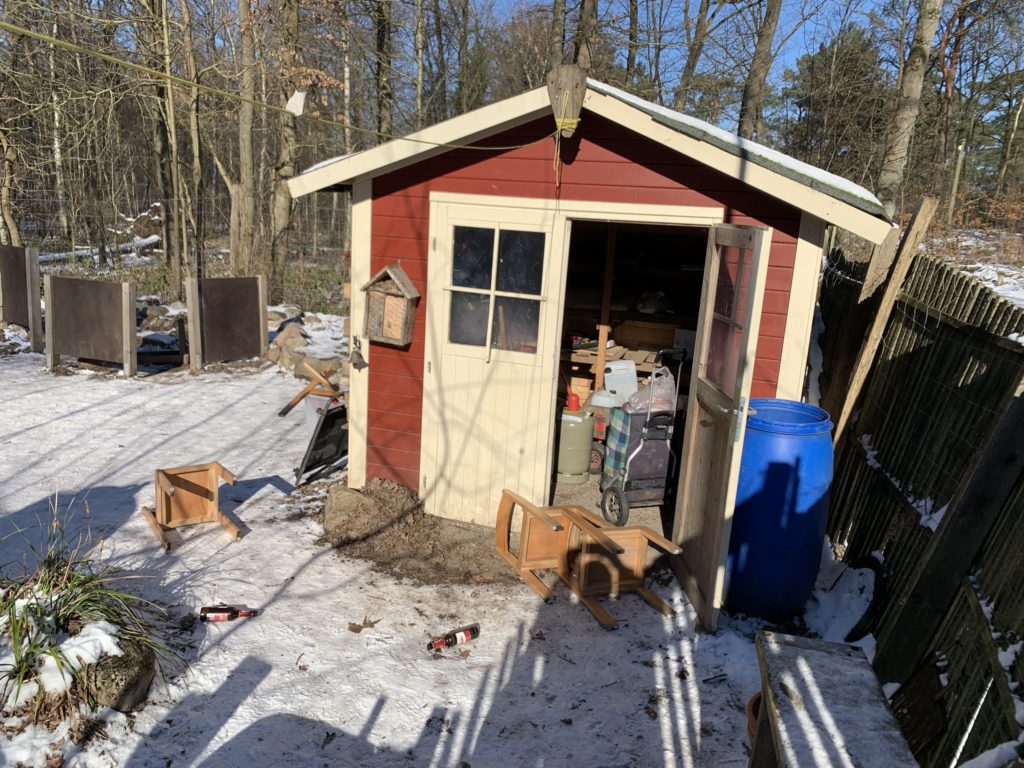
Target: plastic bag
[{"x": 664, "y": 384}]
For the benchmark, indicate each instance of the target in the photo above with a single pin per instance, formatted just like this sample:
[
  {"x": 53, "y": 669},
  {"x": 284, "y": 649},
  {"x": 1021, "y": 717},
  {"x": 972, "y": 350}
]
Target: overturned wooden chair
[
  {"x": 593, "y": 561},
  {"x": 188, "y": 496}
]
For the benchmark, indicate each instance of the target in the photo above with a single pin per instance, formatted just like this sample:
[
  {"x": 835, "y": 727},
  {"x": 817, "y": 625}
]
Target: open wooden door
[{"x": 730, "y": 315}]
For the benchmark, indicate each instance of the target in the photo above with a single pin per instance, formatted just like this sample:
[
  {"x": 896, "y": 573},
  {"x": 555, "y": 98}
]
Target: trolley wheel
[
  {"x": 614, "y": 506},
  {"x": 596, "y": 457}
]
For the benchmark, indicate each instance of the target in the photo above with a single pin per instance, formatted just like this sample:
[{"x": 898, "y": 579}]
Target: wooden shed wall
[{"x": 608, "y": 164}]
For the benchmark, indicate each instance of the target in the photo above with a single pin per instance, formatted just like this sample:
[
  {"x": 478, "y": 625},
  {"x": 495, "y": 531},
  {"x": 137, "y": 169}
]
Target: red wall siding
[{"x": 608, "y": 163}]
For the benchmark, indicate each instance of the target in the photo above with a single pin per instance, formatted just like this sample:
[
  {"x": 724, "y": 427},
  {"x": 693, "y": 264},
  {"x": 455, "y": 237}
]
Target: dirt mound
[{"x": 385, "y": 524}]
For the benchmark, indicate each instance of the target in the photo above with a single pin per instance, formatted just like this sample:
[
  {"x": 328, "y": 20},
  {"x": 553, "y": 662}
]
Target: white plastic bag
[{"x": 664, "y": 391}]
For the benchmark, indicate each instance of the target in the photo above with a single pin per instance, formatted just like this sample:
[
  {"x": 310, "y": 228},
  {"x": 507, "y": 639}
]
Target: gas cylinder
[{"x": 575, "y": 436}]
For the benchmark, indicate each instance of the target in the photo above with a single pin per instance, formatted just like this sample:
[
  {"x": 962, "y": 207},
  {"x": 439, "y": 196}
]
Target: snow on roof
[{"x": 816, "y": 178}]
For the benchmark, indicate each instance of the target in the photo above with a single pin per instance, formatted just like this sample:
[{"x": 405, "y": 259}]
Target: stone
[
  {"x": 289, "y": 332},
  {"x": 291, "y": 353},
  {"x": 122, "y": 682},
  {"x": 158, "y": 323},
  {"x": 310, "y": 319},
  {"x": 275, "y": 316},
  {"x": 348, "y": 514},
  {"x": 157, "y": 310},
  {"x": 273, "y": 353},
  {"x": 176, "y": 305}
]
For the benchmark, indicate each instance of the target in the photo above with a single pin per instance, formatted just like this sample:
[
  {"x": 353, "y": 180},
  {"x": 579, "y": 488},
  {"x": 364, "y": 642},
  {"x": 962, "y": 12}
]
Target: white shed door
[
  {"x": 716, "y": 413},
  {"x": 490, "y": 364}
]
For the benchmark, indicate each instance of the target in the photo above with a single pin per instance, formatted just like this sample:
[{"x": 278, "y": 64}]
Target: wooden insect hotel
[{"x": 391, "y": 302}]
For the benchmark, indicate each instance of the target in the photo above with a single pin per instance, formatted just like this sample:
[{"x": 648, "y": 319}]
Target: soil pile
[{"x": 385, "y": 524}]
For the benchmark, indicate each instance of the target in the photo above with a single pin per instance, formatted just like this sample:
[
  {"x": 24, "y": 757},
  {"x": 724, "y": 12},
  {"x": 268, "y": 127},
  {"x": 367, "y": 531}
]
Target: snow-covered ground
[
  {"x": 995, "y": 257},
  {"x": 543, "y": 685}
]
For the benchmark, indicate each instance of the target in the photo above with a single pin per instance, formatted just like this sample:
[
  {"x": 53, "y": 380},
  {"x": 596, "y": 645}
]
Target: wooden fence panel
[
  {"x": 91, "y": 319},
  {"x": 14, "y": 286},
  {"x": 936, "y": 396}
]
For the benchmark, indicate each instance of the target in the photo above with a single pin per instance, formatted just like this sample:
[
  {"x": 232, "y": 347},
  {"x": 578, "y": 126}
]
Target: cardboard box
[{"x": 640, "y": 334}]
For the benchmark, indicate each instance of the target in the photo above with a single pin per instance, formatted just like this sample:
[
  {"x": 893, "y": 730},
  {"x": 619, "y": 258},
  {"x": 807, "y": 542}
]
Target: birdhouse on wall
[{"x": 390, "y": 307}]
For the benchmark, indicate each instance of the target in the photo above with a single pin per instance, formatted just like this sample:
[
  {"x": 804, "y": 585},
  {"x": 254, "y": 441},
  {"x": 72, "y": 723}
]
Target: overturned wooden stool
[
  {"x": 593, "y": 561},
  {"x": 188, "y": 496}
]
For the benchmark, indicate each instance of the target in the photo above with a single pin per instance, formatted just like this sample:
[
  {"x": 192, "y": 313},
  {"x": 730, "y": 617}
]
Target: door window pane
[
  {"x": 473, "y": 252},
  {"x": 520, "y": 261},
  {"x": 515, "y": 324},
  {"x": 723, "y": 360},
  {"x": 467, "y": 323}
]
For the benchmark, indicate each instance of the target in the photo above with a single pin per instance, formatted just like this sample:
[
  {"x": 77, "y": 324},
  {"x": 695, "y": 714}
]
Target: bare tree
[
  {"x": 753, "y": 89},
  {"x": 901, "y": 129}
]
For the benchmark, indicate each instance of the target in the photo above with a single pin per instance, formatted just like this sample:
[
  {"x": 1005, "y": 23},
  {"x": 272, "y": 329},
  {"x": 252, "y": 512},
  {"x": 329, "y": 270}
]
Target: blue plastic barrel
[{"x": 781, "y": 508}]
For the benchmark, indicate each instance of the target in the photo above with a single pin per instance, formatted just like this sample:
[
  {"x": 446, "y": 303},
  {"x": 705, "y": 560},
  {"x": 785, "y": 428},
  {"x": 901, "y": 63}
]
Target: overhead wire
[{"x": 210, "y": 89}]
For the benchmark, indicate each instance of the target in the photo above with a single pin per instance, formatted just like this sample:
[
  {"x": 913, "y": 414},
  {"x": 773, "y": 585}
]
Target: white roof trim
[
  {"x": 795, "y": 193},
  {"x": 435, "y": 140},
  {"x": 694, "y": 138}
]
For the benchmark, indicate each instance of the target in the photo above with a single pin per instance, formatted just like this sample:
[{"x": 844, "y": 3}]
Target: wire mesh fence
[{"x": 944, "y": 376}]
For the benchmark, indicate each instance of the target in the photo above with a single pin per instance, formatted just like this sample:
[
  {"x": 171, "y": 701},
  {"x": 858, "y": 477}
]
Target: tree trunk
[
  {"x": 632, "y": 38},
  {"x": 1009, "y": 133},
  {"x": 346, "y": 80},
  {"x": 440, "y": 95},
  {"x": 281, "y": 206},
  {"x": 58, "y": 146},
  {"x": 382, "y": 66},
  {"x": 463, "y": 89},
  {"x": 194, "y": 265},
  {"x": 176, "y": 223},
  {"x": 901, "y": 129},
  {"x": 586, "y": 32},
  {"x": 243, "y": 224},
  {"x": 752, "y": 105},
  {"x": 418, "y": 49},
  {"x": 693, "y": 53},
  {"x": 557, "y": 41},
  {"x": 9, "y": 234}
]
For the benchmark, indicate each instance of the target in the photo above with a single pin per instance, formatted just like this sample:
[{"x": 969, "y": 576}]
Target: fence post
[
  {"x": 35, "y": 320},
  {"x": 52, "y": 358},
  {"x": 264, "y": 333},
  {"x": 195, "y": 339},
  {"x": 948, "y": 558},
  {"x": 129, "y": 341}
]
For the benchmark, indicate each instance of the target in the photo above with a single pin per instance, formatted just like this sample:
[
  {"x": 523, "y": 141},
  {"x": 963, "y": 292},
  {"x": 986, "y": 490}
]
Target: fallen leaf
[
  {"x": 367, "y": 623},
  {"x": 464, "y": 653}
]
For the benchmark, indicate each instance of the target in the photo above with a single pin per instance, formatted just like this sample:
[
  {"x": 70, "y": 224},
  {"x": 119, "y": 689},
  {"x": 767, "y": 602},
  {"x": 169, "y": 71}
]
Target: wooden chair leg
[
  {"x": 538, "y": 586},
  {"x": 655, "y": 601},
  {"x": 157, "y": 528},
  {"x": 603, "y": 617}
]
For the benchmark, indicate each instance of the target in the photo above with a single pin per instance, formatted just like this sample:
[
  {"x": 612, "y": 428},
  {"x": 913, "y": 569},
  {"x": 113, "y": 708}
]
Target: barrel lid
[{"x": 789, "y": 417}]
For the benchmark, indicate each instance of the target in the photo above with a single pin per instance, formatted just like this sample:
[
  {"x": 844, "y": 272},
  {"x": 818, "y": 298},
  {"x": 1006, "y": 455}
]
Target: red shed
[{"x": 508, "y": 234}]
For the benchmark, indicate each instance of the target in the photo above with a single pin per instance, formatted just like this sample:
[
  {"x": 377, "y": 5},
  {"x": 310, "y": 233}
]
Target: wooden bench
[{"x": 822, "y": 707}]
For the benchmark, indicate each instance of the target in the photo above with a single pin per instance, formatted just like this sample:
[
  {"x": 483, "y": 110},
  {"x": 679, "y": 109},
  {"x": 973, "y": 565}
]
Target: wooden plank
[
  {"x": 195, "y": 339},
  {"x": 52, "y": 358},
  {"x": 129, "y": 341},
  {"x": 35, "y": 320},
  {"x": 882, "y": 256},
  {"x": 603, "y": 328},
  {"x": 825, "y": 706},
  {"x": 261, "y": 287},
  {"x": 948, "y": 558},
  {"x": 866, "y": 358}
]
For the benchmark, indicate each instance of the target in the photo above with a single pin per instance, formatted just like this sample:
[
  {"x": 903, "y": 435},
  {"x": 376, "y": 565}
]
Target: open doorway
[{"x": 642, "y": 285}]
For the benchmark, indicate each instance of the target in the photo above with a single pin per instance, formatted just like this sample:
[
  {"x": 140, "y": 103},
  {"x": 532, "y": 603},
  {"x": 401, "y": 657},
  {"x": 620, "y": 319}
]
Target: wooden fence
[{"x": 930, "y": 431}]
